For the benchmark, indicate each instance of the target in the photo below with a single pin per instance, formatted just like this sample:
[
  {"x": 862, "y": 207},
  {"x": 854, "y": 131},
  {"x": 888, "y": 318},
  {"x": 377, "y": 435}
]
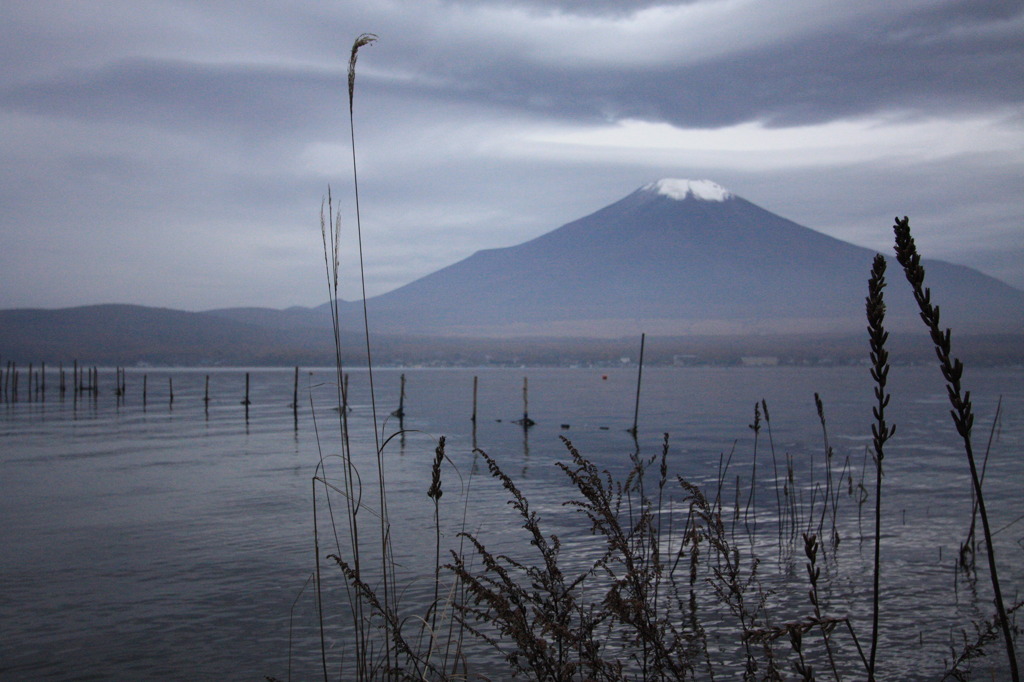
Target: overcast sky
[{"x": 175, "y": 153}]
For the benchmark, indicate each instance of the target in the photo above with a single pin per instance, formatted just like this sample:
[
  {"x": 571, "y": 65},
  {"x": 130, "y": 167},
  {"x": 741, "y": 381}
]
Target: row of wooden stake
[{"x": 85, "y": 381}]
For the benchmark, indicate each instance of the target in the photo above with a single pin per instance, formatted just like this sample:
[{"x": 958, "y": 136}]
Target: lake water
[{"x": 175, "y": 540}]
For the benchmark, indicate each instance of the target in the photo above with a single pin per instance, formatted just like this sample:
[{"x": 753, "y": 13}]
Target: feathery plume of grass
[
  {"x": 880, "y": 431},
  {"x": 435, "y": 493},
  {"x": 362, "y": 41},
  {"x": 775, "y": 470},
  {"x": 813, "y": 574},
  {"x": 830, "y": 498},
  {"x": 756, "y": 428},
  {"x": 387, "y": 565},
  {"x": 962, "y": 412}
]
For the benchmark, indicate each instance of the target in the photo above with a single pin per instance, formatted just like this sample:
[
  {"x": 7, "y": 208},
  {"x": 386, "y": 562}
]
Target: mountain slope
[{"x": 676, "y": 257}]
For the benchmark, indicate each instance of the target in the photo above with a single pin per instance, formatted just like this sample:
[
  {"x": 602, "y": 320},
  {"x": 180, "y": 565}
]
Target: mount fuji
[
  {"x": 677, "y": 257},
  {"x": 686, "y": 261}
]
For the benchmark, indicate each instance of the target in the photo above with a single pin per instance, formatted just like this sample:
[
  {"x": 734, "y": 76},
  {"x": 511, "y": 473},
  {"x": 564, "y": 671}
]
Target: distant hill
[
  {"x": 128, "y": 335},
  {"x": 709, "y": 273},
  {"x": 272, "y": 318}
]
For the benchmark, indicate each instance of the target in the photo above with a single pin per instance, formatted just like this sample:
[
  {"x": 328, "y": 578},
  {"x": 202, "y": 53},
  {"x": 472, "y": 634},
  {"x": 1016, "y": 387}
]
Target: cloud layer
[{"x": 176, "y": 153}]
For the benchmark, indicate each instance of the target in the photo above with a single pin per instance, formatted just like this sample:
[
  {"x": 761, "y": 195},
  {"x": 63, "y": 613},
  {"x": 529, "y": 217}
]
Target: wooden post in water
[
  {"x": 145, "y": 378},
  {"x": 400, "y": 412},
  {"x": 246, "y": 402},
  {"x": 526, "y": 403},
  {"x": 42, "y": 391},
  {"x": 170, "y": 391},
  {"x": 295, "y": 397},
  {"x": 473, "y": 418},
  {"x": 344, "y": 394},
  {"x": 639, "y": 376},
  {"x": 526, "y": 422}
]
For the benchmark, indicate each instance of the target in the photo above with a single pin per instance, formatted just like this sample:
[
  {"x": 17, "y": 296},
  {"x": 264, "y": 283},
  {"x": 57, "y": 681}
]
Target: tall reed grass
[{"x": 664, "y": 580}]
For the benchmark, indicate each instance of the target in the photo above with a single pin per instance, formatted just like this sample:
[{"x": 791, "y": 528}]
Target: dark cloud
[
  {"x": 176, "y": 153},
  {"x": 950, "y": 56},
  {"x": 587, "y": 8},
  {"x": 953, "y": 57}
]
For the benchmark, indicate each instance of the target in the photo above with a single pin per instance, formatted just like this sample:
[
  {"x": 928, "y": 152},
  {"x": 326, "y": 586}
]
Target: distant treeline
[{"x": 127, "y": 336}]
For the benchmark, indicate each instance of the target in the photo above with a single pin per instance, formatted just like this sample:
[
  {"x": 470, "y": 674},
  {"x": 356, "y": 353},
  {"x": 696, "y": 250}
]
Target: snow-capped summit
[{"x": 679, "y": 189}]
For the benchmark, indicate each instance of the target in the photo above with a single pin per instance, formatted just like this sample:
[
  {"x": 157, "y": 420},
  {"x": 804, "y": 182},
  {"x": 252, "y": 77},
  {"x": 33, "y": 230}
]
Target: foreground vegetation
[{"x": 667, "y": 581}]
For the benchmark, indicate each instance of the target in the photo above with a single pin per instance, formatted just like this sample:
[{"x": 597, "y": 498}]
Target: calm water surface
[{"x": 175, "y": 539}]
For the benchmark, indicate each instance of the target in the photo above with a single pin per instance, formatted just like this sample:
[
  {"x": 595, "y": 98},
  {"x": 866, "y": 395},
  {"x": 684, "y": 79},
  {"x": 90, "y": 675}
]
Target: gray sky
[{"x": 175, "y": 153}]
